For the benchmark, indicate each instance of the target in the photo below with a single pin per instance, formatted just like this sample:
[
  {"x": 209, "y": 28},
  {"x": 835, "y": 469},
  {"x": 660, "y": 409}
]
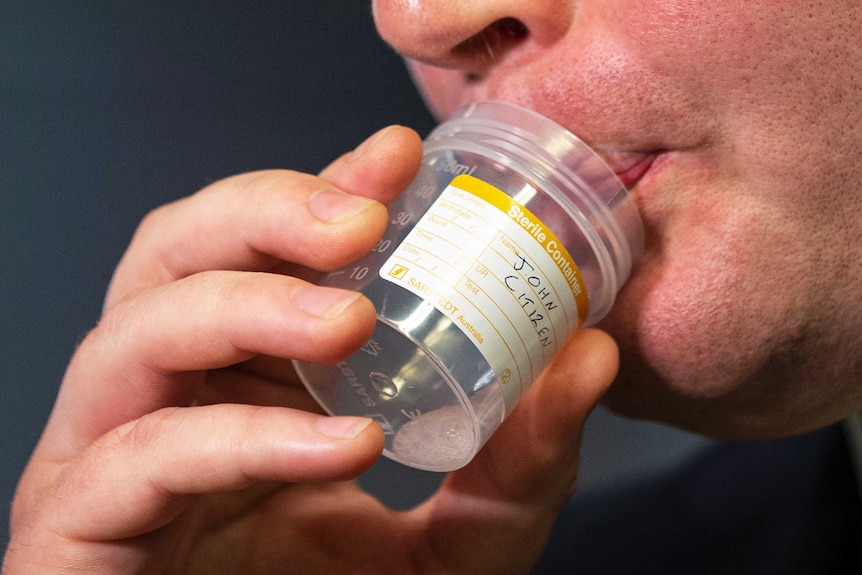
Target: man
[
  {"x": 734, "y": 125},
  {"x": 751, "y": 147}
]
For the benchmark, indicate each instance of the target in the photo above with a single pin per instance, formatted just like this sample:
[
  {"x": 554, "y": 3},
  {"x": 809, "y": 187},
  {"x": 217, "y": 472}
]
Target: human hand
[{"x": 181, "y": 442}]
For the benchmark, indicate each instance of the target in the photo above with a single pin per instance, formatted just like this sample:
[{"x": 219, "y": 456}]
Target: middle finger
[{"x": 252, "y": 221}]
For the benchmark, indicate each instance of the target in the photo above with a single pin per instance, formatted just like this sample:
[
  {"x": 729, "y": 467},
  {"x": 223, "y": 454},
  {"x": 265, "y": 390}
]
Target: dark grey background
[{"x": 108, "y": 109}]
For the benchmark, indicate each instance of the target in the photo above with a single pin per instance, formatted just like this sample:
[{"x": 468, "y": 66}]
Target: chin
[
  {"x": 767, "y": 403},
  {"x": 639, "y": 393}
]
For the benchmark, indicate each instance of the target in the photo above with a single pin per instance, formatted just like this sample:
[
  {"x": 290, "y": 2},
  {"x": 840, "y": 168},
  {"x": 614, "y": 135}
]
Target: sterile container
[{"x": 513, "y": 234}]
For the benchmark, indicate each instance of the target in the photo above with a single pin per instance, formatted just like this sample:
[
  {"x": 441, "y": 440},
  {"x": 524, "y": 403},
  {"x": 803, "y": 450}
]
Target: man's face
[{"x": 743, "y": 318}]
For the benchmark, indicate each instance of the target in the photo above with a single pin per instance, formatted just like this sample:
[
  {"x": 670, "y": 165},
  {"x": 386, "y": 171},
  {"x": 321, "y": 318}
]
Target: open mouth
[{"x": 629, "y": 167}]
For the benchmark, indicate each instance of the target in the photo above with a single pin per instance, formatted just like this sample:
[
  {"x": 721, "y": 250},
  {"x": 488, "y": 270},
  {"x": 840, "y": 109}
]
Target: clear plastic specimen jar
[{"x": 512, "y": 236}]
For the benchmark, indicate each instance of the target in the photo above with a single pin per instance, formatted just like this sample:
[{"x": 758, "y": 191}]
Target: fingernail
[
  {"x": 333, "y": 206},
  {"x": 370, "y": 142},
  {"x": 325, "y": 303},
  {"x": 341, "y": 427}
]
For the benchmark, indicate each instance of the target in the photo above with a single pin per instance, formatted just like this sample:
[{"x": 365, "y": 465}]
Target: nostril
[
  {"x": 494, "y": 40},
  {"x": 510, "y": 28}
]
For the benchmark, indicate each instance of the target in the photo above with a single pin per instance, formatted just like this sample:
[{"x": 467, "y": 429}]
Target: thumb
[
  {"x": 514, "y": 488},
  {"x": 534, "y": 454}
]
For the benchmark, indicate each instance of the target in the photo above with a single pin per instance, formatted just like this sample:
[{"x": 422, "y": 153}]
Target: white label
[{"x": 498, "y": 273}]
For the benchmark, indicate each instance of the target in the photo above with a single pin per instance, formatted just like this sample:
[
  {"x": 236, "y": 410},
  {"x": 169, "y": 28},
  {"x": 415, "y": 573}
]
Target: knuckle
[
  {"x": 147, "y": 432},
  {"x": 251, "y": 187},
  {"x": 115, "y": 323},
  {"x": 153, "y": 221}
]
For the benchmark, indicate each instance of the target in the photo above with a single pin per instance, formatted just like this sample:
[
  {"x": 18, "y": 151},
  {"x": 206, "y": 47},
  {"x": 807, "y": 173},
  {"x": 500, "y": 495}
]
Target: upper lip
[{"x": 629, "y": 160}]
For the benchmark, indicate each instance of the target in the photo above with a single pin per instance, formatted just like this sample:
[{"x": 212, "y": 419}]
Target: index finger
[{"x": 255, "y": 221}]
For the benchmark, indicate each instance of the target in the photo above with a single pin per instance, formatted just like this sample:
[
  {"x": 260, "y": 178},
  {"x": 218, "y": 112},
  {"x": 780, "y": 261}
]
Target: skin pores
[{"x": 741, "y": 320}]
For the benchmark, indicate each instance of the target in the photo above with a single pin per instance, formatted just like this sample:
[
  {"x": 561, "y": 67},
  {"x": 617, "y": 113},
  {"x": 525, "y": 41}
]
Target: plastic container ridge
[{"x": 513, "y": 234}]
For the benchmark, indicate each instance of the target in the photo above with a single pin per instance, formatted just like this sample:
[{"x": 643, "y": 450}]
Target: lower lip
[{"x": 632, "y": 176}]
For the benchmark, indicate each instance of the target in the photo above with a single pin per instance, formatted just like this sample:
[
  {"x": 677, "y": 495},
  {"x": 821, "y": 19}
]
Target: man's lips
[{"x": 629, "y": 166}]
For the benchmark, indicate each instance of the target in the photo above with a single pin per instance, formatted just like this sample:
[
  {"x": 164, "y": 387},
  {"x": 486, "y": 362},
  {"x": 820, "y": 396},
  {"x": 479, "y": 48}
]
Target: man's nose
[{"x": 470, "y": 34}]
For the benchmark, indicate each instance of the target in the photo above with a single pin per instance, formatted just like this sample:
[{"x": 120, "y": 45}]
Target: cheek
[{"x": 718, "y": 291}]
